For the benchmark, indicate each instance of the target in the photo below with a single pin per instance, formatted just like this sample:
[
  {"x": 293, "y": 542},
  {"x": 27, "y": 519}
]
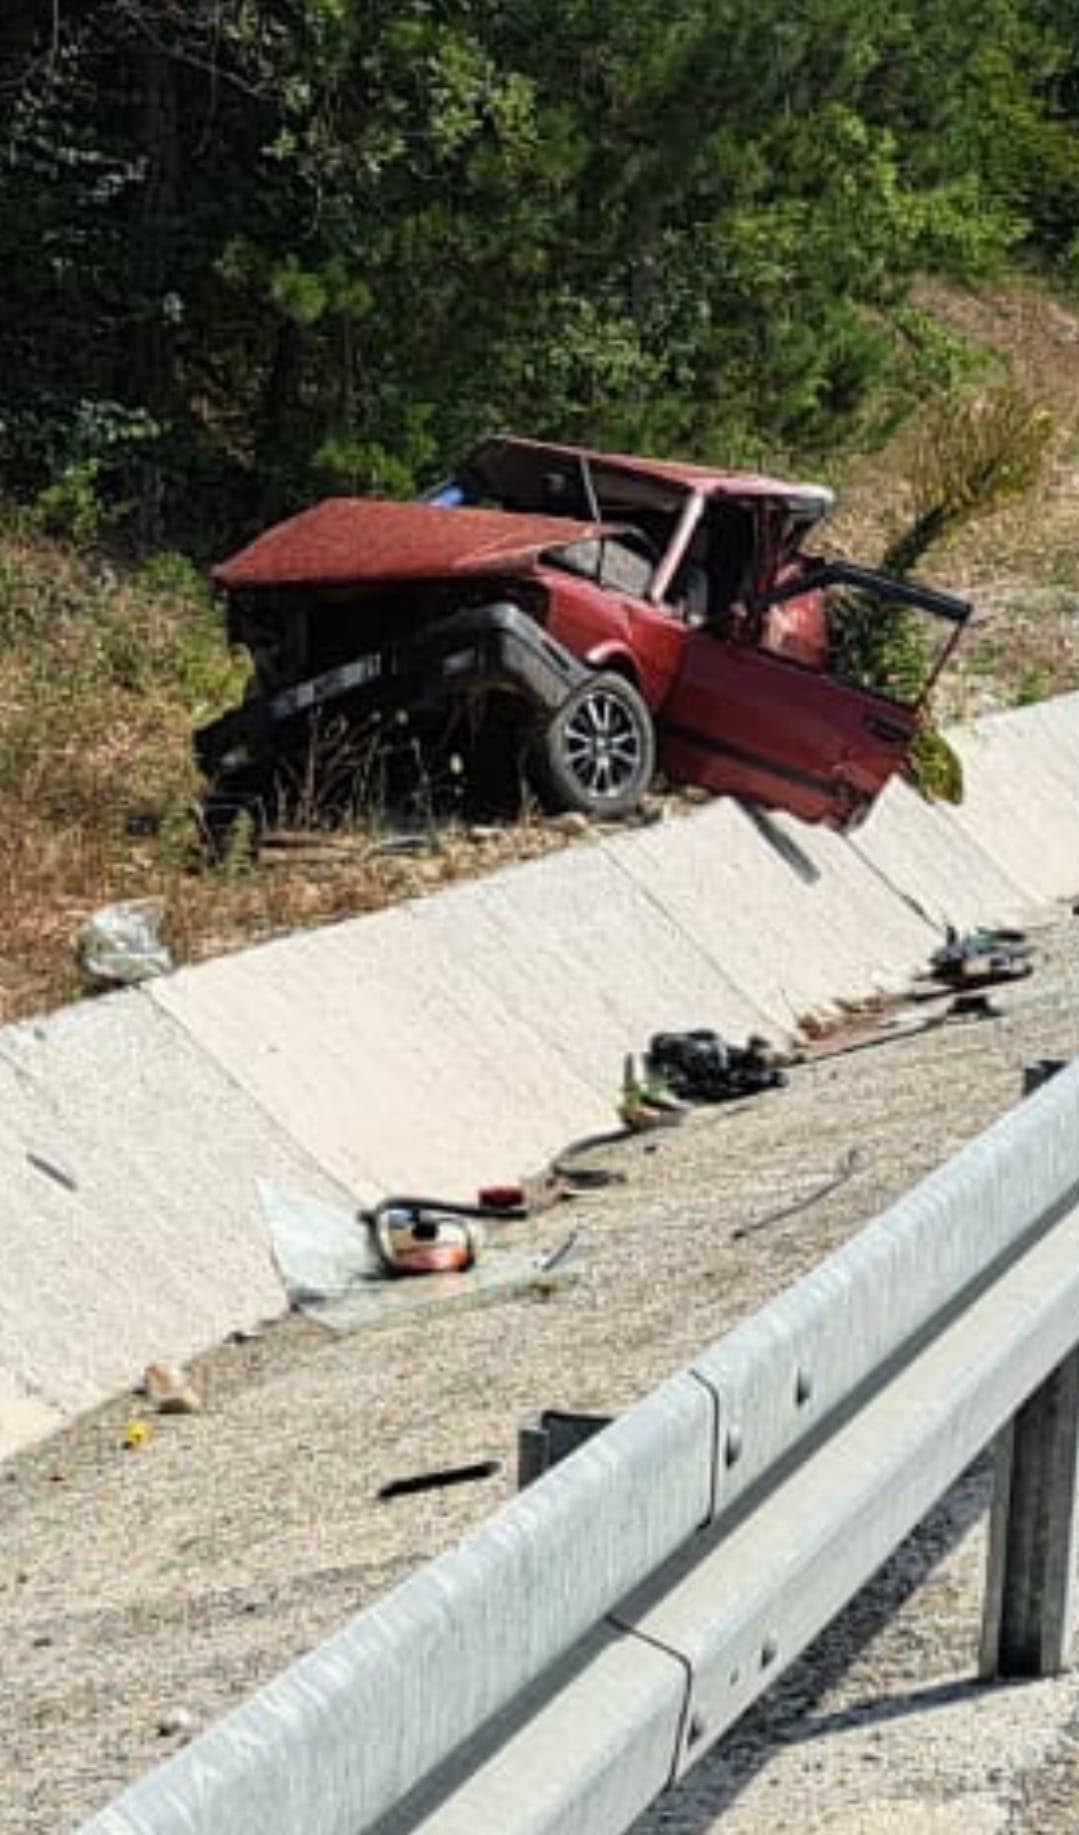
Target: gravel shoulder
[{"x": 144, "y": 1587}]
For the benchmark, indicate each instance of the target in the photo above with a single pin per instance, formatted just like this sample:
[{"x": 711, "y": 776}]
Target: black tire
[{"x": 598, "y": 752}]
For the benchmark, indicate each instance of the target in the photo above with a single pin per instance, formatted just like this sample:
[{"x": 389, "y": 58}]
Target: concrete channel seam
[
  {"x": 515, "y": 1014},
  {"x": 275, "y": 1125},
  {"x": 886, "y": 880},
  {"x": 693, "y": 942}
]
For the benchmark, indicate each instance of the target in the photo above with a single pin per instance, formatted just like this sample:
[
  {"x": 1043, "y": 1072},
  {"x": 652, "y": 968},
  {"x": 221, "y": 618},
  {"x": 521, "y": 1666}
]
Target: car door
[
  {"x": 754, "y": 724},
  {"x": 762, "y": 723}
]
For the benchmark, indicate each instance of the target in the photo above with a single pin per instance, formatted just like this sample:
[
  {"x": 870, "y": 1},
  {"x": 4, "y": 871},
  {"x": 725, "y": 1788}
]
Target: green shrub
[
  {"x": 935, "y": 768},
  {"x": 72, "y": 506}
]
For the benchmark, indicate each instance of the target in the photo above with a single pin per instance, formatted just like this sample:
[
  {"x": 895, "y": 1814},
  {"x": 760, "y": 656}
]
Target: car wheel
[{"x": 597, "y": 754}]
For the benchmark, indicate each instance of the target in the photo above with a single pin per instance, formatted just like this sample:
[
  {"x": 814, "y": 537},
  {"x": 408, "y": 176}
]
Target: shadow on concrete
[{"x": 783, "y": 844}]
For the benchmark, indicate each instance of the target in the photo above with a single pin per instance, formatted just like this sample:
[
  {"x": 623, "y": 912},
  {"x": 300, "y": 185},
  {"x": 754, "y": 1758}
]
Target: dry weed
[
  {"x": 1020, "y": 562},
  {"x": 103, "y": 676}
]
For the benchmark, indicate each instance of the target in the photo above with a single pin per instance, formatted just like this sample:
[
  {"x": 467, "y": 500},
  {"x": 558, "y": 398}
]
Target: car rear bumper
[{"x": 487, "y": 647}]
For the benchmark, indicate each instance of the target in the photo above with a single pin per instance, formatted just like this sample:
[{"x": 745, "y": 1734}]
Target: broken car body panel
[
  {"x": 690, "y": 585},
  {"x": 358, "y": 541}
]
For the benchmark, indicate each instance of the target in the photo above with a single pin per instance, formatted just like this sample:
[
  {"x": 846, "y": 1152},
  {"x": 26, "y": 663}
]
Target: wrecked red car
[{"x": 582, "y": 618}]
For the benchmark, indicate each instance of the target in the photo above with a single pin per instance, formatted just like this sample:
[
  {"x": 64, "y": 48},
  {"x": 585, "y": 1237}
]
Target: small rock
[
  {"x": 483, "y": 831},
  {"x": 168, "y": 1392},
  {"x": 184, "y": 1401},
  {"x": 570, "y": 822},
  {"x": 176, "y": 1721},
  {"x": 694, "y": 793}
]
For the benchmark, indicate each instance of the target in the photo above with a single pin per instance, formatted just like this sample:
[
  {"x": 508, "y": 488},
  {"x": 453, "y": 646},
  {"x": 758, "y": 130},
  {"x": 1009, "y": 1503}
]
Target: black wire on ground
[{"x": 853, "y": 1161}]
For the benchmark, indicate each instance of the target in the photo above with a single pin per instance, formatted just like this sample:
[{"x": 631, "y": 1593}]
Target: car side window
[{"x": 716, "y": 572}]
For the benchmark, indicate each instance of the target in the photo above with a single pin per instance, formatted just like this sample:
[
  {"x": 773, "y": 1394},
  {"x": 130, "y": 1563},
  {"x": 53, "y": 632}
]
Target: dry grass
[{"x": 103, "y": 676}]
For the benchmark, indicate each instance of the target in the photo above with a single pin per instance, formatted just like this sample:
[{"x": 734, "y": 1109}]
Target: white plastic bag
[{"x": 120, "y": 943}]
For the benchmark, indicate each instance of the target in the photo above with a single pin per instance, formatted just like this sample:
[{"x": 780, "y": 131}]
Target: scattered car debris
[
  {"x": 961, "y": 1009},
  {"x": 646, "y": 1101},
  {"x": 565, "y": 1177},
  {"x": 1042, "y": 1069},
  {"x": 332, "y": 1270},
  {"x": 569, "y": 618},
  {"x": 973, "y": 1006},
  {"x": 503, "y": 1201},
  {"x": 177, "y": 1723},
  {"x": 318, "y": 1252},
  {"x": 701, "y": 1066},
  {"x": 558, "y": 1257},
  {"x": 852, "y": 1162},
  {"x": 437, "y": 1235},
  {"x": 120, "y": 944},
  {"x": 439, "y": 1480},
  {"x": 413, "y": 1238},
  {"x": 169, "y": 1392},
  {"x": 981, "y": 958}
]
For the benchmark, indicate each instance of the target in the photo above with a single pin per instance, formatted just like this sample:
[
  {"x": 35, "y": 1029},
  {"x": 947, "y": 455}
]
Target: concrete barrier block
[
  {"x": 935, "y": 865},
  {"x": 461, "y": 1039},
  {"x": 129, "y": 1226},
  {"x": 603, "y": 924},
  {"x": 1022, "y": 795},
  {"x": 399, "y": 1069},
  {"x": 785, "y": 911}
]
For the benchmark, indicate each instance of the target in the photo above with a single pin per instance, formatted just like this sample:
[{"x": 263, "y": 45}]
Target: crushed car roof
[
  {"x": 709, "y": 480},
  {"x": 349, "y": 540}
]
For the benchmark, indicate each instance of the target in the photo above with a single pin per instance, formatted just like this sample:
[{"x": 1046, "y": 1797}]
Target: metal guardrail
[{"x": 585, "y": 1646}]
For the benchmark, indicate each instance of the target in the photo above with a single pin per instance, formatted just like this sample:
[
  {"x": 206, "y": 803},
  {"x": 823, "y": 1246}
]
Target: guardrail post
[
  {"x": 551, "y": 1439},
  {"x": 1028, "y": 1625}
]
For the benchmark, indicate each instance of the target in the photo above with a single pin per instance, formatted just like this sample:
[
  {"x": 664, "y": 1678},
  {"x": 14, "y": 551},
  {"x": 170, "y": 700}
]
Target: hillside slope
[{"x": 105, "y": 668}]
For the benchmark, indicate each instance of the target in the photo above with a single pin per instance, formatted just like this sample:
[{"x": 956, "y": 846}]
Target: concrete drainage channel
[
  {"x": 376, "y": 1054},
  {"x": 153, "y": 1070}
]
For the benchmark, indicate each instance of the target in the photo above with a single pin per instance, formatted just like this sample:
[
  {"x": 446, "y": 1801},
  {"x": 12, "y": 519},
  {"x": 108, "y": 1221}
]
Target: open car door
[{"x": 751, "y": 721}]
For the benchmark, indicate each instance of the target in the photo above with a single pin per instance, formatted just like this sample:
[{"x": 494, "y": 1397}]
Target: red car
[{"x": 589, "y": 615}]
